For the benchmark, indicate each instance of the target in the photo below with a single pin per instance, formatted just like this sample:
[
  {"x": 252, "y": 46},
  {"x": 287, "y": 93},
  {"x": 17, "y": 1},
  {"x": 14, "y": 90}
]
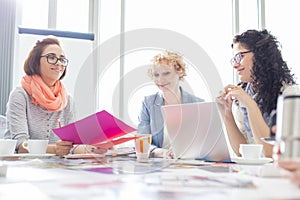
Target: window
[
  {"x": 206, "y": 25},
  {"x": 73, "y": 15},
  {"x": 284, "y": 27},
  {"x": 248, "y": 15},
  {"x": 109, "y": 76},
  {"x": 192, "y": 20},
  {"x": 34, "y": 13}
]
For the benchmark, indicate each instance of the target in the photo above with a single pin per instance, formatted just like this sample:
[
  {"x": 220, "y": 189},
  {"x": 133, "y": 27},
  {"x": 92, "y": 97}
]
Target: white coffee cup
[
  {"x": 142, "y": 146},
  {"x": 7, "y": 146},
  {"x": 36, "y": 146},
  {"x": 251, "y": 151}
]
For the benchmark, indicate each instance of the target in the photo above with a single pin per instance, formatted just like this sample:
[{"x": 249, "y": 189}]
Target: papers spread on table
[
  {"x": 110, "y": 143},
  {"x": 101, "y": 127},
  {"x": 120, "y": 151},
  {"x": 84, "y": 156}
]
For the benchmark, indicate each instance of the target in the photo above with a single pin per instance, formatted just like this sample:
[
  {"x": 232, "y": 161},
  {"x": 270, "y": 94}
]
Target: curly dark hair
[{"x": 269, "y": 72}]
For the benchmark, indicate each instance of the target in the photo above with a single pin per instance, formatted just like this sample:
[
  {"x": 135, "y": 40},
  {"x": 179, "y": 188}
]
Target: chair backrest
[{"x": 2, "y": 125}]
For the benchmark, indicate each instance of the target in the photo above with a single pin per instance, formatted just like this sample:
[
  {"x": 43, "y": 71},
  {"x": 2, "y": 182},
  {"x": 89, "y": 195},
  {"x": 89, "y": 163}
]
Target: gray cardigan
[{"x": 28, "y": 121}]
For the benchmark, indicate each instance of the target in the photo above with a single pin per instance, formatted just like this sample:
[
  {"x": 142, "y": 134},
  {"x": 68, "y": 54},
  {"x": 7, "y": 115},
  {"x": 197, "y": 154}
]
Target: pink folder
[{"x": 96, "y": 128}]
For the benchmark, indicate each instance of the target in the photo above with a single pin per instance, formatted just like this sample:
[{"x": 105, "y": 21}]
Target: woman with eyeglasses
[
  {"x": 41, "y": 103},
  {"x": 249, "y": 109}
]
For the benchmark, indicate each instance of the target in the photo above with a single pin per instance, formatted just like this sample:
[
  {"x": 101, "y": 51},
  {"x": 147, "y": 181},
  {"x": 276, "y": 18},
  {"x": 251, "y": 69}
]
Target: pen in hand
[
  {"x": 59, "y": 123},
  {"x": 226, "y": 92}
]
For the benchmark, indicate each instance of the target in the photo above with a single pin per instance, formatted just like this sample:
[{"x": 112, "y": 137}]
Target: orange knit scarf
[{"x": 53, "y": 99}]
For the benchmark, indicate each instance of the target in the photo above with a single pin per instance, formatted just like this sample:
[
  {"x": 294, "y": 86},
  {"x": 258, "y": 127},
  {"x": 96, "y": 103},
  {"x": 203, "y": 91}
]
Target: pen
[
  {"x": 231, "y": 88},
  {"x": 226, "y": 92},
  {"x": 59, "y": 123}
]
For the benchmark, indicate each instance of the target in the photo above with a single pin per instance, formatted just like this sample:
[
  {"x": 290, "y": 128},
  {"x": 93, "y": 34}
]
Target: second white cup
[
  {"x": 36, "y": 146},
  {"x": 251, "y": 151}
]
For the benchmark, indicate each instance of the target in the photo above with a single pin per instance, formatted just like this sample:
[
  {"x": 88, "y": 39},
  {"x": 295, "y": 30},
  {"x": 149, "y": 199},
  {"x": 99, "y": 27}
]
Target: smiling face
[
  {"x": 50, "y": 73},
  {"x": 165, "y": 77},
  {"x": 244, "y": 67}
]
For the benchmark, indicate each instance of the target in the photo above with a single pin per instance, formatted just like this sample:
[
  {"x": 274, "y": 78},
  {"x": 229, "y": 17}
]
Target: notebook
[{"x": 196, "y": 131}]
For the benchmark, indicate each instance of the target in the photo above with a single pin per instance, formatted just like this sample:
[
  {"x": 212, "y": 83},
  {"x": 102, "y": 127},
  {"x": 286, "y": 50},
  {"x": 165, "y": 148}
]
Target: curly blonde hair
[{"x": 171, "y": 59}]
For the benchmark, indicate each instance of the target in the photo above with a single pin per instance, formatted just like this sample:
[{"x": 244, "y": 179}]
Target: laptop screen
[{"x": 196, "y": 131}]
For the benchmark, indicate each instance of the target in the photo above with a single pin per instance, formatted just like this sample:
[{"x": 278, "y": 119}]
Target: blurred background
[{"x": 108, "y": 70}]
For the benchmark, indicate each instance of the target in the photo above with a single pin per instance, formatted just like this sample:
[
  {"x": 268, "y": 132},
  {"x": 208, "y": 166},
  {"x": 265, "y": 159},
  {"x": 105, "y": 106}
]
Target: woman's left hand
[
  {"x": 239, "y": 94},
  {"x": 293, "y": 166},
  {"x": 98, "y": 150},
  {"x": 63, "y": 147},
  {"x": 163, "y": 153},
  {"x": 290, "y": 164},
  {"x": 86, "y": 149}
]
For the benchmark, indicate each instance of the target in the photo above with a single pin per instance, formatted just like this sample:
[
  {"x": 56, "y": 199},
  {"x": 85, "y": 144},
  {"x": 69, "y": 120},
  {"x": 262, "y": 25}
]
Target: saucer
[
  {"x": 10, "y": 157},
  {"x": 31, "y": 155},
  {"x": 270, "y": 140},
  {"x": 260, "y": 161}
]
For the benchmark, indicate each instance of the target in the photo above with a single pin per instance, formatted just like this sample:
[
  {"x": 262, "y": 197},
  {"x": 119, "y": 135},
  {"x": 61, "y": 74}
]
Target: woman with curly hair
[
  {"x": 249, "y": 109},
  {"x": 166, "y": 71}
]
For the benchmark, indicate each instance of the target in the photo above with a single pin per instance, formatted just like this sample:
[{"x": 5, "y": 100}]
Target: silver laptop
[{"x": 196, "y": 132}]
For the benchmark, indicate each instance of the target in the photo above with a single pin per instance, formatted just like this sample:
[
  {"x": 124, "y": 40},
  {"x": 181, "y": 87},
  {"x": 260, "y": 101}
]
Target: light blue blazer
[{"x": 151, "y": 119}]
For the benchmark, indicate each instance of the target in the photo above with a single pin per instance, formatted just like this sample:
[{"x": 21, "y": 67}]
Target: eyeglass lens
[
  {"x": 238, "y": 57},
  {"x": 52, "y": 59}
]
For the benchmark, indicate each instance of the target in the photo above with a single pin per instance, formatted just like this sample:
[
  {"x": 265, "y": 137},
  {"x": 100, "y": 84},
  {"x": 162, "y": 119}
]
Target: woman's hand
[
  {"x": 225, "y": 101},
  {"x": 290, "y": 164},
  {"x": 88, "y": 149},
  {"x": 293, "y": 166},
  {"x": 63, "y": 147},
  {"x": 99, "y": 150},
  {"x": 163, "y": 153},
  {"x": 237, "y": 93}
]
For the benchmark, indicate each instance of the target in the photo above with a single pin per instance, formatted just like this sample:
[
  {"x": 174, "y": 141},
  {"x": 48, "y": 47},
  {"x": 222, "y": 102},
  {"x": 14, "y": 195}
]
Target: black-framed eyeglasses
[
  {"x": 238, "y": 57},
  {"x": 52, "y": 59}
]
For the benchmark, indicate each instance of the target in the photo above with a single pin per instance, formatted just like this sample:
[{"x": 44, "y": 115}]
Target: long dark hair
[{"x": 270, "y": 72}]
